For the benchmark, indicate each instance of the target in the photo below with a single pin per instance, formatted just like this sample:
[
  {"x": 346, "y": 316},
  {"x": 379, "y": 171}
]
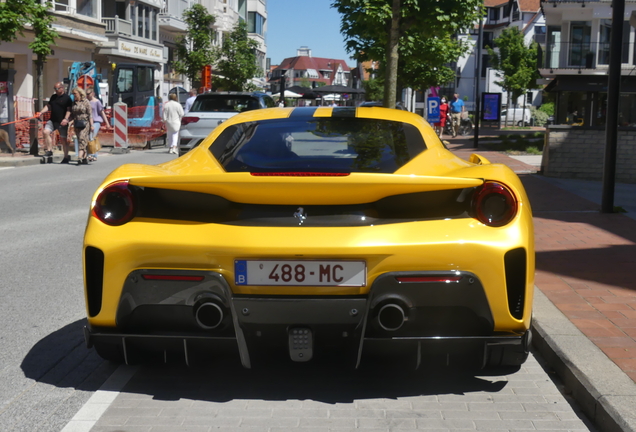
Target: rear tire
[
  {"x": 111, "y": 352},
  {"x": 509, "y": 355}
]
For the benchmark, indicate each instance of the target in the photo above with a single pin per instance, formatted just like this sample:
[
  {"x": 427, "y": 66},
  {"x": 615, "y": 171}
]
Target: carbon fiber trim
[{"x": 154, "y": 203}]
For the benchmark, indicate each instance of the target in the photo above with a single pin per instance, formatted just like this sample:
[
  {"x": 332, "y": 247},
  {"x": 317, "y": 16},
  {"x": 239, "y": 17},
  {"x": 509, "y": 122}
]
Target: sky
[{"x": 311, "y": 23}]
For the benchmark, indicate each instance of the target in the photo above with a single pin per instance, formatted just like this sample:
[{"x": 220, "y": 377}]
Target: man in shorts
[{"x": 60, "y": 107}]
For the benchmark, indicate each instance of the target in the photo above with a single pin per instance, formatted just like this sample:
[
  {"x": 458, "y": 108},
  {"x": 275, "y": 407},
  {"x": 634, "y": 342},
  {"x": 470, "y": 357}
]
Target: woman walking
[
  {"x": 82, "y": 121},
  {"x": 172, "y": 115}
]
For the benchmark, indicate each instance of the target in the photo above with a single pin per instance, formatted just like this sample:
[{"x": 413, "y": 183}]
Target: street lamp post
[
  {"x": 613, "y": 97},
  {"x": 480, "y": 38}
]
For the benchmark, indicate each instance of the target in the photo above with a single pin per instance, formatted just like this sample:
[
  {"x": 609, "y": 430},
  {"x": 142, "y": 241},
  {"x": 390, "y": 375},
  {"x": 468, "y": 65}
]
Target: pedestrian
[
  {"x": 60, "y": 108},
  {"x": 457, "y": 107},
  {"x": 82, "y": 119},
  {"x": 281, "y": 103},
  {"x": 98, "y": 114},
  {"x": 190, "y": 100},
  {"x": 443, "y": 114},
  {"x": 172, "y": 115}
]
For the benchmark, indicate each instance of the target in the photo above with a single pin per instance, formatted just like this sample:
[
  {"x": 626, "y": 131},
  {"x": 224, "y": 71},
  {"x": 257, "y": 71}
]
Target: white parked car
[
  {"x": 516, "y": 116},
  {"x": 211, "y": 109}
]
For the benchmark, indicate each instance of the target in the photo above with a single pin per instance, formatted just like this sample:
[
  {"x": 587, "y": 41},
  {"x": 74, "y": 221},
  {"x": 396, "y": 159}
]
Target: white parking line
[{"x": 97, "y": 405}]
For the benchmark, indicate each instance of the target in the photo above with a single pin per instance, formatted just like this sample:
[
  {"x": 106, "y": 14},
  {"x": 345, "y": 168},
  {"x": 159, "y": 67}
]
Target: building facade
[
  {"x": 307, "y": 71},
  {"x": 111, "y": 32},
  {"x": 576, "y": 61}
]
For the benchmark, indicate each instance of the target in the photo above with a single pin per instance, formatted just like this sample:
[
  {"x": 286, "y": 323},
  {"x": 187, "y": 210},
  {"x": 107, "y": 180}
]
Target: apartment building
[
  {"x": 111, "y": 32},
  {"x": 500, "y": 15},
  {"x": 576, "y": 60}
]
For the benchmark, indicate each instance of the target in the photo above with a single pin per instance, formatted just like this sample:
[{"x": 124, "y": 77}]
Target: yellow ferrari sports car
[{"x": 307, "y": 230}]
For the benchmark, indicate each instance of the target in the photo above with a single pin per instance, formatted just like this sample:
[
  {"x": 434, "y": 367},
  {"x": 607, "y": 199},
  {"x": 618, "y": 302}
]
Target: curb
[{"x": 603, "y": 391}]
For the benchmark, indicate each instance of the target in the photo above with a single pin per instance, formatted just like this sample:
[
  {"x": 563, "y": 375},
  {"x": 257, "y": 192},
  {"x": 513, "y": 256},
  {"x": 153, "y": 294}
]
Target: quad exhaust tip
[
  {"x": 209, "y": 315},
  {"x": 391, "y": 317}
]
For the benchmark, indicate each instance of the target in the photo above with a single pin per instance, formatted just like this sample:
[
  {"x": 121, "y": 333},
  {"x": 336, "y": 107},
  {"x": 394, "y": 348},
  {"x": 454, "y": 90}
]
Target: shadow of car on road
[{"x": 61, "y": 359}]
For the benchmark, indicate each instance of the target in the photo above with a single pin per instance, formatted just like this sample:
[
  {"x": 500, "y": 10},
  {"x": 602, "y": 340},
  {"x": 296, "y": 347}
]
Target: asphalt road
[
  {"x": 46, "y": 373},
  {"x": 47, "y": 376}
]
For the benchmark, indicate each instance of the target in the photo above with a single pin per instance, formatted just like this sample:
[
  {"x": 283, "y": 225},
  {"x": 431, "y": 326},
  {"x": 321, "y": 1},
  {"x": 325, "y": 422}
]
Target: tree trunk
[
  {"x": 39, "y": 78},
  {"x": 392, "y": 56}
]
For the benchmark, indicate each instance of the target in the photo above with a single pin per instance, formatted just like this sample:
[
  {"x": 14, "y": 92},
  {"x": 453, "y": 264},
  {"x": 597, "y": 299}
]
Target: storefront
[{"x": 582, "y": 100}]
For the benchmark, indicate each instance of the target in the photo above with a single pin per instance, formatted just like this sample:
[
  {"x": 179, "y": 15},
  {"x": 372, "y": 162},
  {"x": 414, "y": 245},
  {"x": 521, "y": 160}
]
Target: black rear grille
[
  {"x": 94, "y": 268},
  {"x": 156, "y": 203},
  {"x": 515, "y": 262}
]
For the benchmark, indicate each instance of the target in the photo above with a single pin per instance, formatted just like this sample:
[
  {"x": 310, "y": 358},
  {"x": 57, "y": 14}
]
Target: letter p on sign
[{"x": 432, "y": 113}]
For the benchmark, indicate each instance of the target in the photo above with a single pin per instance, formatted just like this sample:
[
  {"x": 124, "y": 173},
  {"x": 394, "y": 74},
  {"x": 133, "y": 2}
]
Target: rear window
[
  {"x": 224, "y": 103},
  {"x": 318, "y": 145}
]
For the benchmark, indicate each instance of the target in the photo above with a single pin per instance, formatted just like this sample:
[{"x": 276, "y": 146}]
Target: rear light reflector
[
  {"x": 115, "y": 204},
  {"x": 172, "y": 277},
  {"x": 298, "y": 174},
  {"x": 494, "y": 204},
  {"x": 416, "y": 279},
  {"x": 188, "y": 119}
]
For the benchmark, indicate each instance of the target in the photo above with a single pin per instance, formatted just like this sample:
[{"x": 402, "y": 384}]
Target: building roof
[
  {"x": 495, "y": 3},
  {"x": 529, "y": 5},
  {"x": 316, "y": 63},
  {"x": 524, "y": 5}
]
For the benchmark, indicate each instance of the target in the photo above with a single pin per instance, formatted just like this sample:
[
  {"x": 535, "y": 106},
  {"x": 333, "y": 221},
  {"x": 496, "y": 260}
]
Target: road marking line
[{"x": 97, "y": 405}]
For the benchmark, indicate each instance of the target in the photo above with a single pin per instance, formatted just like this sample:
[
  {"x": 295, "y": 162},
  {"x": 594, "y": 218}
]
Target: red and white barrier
[{"x": 120, "y": 114}]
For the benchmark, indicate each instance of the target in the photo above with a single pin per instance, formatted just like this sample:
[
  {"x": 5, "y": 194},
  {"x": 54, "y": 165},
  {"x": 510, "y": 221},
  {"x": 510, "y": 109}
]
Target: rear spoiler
[{"x": 355, "y": 188}]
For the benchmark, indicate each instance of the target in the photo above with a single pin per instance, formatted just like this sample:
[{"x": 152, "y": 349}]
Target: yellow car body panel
[{"x": 461, "y": 244}]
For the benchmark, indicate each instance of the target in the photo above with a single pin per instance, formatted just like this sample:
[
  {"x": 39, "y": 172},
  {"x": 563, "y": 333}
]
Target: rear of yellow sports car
[{"x": 304, "y": 229}]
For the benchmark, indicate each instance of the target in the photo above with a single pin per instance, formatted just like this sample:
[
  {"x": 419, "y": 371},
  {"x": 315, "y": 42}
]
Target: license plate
[{"x": 317, "y": 273}]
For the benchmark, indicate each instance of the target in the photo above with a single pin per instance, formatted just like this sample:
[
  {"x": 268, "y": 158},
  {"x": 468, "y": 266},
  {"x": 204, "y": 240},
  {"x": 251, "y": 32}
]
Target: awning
[{"x": 589, "y": 83}]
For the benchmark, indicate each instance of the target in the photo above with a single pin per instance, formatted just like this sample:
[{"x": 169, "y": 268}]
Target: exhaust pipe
[
  {"x": 209, "y": 315},
  {"x": 391, "y": 317}
]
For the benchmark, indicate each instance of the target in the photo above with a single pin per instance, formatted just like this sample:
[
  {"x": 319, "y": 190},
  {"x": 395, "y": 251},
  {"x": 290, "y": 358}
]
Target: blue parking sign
[{"x": 432, "y": 113}]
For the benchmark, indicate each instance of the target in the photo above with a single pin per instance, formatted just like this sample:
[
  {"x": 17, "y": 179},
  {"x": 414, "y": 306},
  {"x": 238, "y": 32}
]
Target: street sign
[{"x": 432, "y": 113}]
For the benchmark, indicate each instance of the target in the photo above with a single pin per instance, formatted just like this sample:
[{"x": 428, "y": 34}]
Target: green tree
[
  {"x": 516, "y": 63},
  {"x": 15, "y": 15},
  {"x": 41, "y": 20},
  {"x": 195, "y": 49},
  {"x": 413, "y": 36},
  {"x": 237, "y": 65},
  {"x": 13, "y": 19},
  {"x": 373, "y": 88}
]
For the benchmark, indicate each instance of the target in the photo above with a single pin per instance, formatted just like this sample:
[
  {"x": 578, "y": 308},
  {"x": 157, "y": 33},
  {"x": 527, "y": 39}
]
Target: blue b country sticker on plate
[{"x": 240, "y": 272}]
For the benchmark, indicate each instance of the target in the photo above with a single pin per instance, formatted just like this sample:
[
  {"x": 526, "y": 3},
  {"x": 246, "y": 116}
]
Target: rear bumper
[{"x": 167, "y": 315}]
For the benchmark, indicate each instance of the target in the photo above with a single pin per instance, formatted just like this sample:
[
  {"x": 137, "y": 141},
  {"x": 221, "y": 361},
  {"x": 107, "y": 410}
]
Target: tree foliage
[
  {"x": 15, "y": 16},
  {"x": 374, "y": 88},
  {"x": 237, "y": 64},
  {"x": 414, "y": 36},
  {"x": 13, "y": 19},
  {"x": 195, "y": 49},
  {"x": 516, "y": 63}
]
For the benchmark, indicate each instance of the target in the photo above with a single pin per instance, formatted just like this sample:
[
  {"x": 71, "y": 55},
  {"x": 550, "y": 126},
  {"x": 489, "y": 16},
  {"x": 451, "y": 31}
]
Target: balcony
[
  {"x": 118, "y": 26},
  {"x": 584, "y": 55},
  {"x": 171, "y": 17}
]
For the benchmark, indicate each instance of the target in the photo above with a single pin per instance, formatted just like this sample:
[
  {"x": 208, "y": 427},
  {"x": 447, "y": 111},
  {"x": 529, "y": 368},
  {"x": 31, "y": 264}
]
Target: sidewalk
[
  {"x": 25, "y": 159},
  {"x": 584, "y": 261}
]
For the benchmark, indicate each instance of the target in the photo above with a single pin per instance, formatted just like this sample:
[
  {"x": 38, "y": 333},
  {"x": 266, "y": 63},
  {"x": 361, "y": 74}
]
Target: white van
[{"x": 515, "y": 116}]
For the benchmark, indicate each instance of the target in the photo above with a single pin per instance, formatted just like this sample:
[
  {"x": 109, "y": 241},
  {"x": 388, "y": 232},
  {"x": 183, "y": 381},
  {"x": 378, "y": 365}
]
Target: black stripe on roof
[
  {"x": 343, "y": 112},
  {"x": 303, "y": 112}
]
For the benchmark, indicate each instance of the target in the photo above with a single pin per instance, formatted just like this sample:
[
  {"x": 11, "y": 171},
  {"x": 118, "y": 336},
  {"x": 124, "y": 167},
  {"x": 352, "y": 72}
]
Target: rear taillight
[
  {"x": 494, "y": 204},
  {"x": 188, "y": 120},
  {"x": 115, "y": 204}
]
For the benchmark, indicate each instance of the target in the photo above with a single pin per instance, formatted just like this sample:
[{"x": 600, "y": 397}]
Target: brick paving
[{"x": 584, "y": 260}]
